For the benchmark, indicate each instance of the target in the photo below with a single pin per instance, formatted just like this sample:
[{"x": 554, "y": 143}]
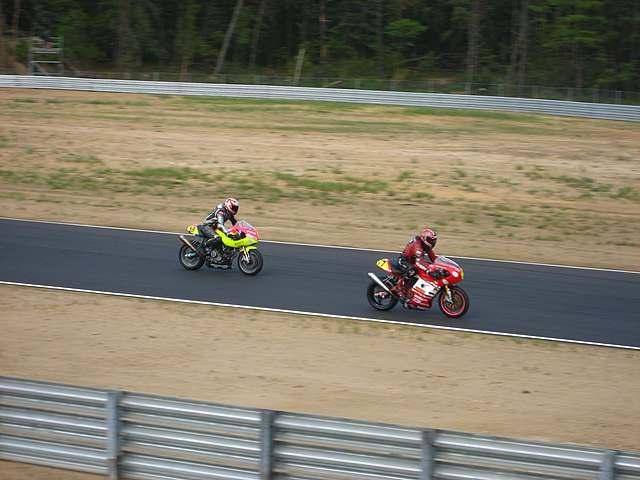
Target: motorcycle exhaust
[
  {"x": 379, "y": 282},
  {"x": 188, "y": 244}
]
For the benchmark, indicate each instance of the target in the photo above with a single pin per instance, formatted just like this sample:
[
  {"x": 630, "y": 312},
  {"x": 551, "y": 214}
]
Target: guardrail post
[
  {"x": 427, "y": 454},
  {"x": 266, "y": 444},
  {"x": 608, "y": 465},
  {"x": 113, "y": 434}
]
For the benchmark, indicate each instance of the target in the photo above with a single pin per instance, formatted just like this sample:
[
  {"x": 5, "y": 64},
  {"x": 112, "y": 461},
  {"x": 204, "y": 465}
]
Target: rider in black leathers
[{"x": 226, "y": 211}]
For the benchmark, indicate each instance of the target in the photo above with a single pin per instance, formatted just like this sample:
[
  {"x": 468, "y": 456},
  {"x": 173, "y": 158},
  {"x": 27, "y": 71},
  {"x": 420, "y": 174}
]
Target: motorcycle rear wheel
[
  {"x": 459, "y": 304},
  {"x": 189, "y": 259},
  {"x": 379, "y": 298},
  {"x": 253, "y": 264}
]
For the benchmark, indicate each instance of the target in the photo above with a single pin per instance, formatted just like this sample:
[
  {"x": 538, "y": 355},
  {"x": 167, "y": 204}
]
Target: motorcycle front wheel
[
  {"x": 457, "y": 306},
  {"x": 379, "y": 298},
  {"x": 189, "y": 259},
  {"x": 251, "y": 262}
]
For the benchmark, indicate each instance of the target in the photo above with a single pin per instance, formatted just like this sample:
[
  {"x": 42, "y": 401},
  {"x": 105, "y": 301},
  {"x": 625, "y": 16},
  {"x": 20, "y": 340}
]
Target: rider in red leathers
[{"x": 413, "y": 257}]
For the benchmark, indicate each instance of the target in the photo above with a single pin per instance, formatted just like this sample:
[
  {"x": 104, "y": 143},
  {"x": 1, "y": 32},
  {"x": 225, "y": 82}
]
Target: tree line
[{"x": 569, "y": 43}]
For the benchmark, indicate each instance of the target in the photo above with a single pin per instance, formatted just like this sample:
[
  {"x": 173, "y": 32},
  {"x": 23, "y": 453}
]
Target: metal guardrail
[
  {"x": 128, "y": 435},
  {"x": 628, "y": 113},
  {"x": 593, "y": 95}
]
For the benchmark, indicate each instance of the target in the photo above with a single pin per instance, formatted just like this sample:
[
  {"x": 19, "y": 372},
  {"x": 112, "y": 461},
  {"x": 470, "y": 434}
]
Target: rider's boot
[
  {"x": 404, "y": 289},
  {"x": 405, "y": 297}
]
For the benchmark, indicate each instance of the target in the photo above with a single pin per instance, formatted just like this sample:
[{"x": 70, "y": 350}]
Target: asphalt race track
[{"x": 576, "y": 304}]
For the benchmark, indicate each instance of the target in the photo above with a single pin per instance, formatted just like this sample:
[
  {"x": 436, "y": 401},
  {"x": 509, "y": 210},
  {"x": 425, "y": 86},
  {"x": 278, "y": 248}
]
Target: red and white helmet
[
  {"x": 231, "y": 205},
  {"x": 429, "y": 237}
]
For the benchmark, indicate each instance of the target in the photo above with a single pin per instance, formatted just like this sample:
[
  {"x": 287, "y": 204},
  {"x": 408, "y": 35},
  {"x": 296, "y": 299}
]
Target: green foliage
[
  {"x": 573, "y": 38},
  {"x": 88, "y": 159},
  {"x": 78, "y": 30},
  {"x": 629, "y": 193},
  {"x": 406, "y": 32},
  {"x": 166, "y": 173},
  {"x": 584, "y": 183},
  {"x": 348, "y": 184},
  {"x": 570, "y": 43}
]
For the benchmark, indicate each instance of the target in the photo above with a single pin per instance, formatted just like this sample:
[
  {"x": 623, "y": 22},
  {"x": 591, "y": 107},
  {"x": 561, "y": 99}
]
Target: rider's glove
[
  {"x": 433, "y": 271},
  {"x": 444, "y": 273},
  {"x": 439, "y": 273}
]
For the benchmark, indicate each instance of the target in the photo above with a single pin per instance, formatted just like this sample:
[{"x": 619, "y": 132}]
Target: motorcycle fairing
[
  {"x": 448, "y": 263},
  {"x": 423, "y": 292},
  {"x": 389, "y": 266},
  {"x": 247, "y": 242},
  {"x": 383, "y": 264},
  {"x": 193, "y": 229}
]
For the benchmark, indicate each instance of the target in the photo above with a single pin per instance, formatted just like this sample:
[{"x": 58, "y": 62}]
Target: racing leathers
[
  {"x": 216, "y": 220},
  {"x": 412, "y": 257}
]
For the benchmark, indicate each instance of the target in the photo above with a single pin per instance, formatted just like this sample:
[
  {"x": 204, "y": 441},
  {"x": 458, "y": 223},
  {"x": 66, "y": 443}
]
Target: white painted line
[
  {"x": 328, "y": 246},
  {"x": 312, "y": 314}
]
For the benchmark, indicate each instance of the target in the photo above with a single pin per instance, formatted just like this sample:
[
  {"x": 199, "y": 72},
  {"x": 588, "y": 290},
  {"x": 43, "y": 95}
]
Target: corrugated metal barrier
[
  {"x": 603, "y": 111},
  {"x": 123, "y": 434}
]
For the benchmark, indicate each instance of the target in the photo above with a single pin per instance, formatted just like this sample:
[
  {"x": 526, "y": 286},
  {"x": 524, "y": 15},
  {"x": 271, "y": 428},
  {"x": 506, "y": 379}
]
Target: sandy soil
[{"x": 513, "y": 187}]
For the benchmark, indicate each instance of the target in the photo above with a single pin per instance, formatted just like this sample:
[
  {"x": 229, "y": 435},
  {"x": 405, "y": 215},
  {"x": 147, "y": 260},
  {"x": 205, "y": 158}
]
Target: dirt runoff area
[{"x": 519, "y": 187}]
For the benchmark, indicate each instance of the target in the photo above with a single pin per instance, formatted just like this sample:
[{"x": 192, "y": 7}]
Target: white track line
[{"x": 325, "y": 315}]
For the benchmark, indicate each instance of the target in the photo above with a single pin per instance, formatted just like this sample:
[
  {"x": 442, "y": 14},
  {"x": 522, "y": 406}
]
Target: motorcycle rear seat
[{"x": 395, "y": 266}]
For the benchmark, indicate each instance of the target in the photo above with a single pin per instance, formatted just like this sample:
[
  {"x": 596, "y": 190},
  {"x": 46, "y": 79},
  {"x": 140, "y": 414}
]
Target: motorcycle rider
[
  {"x": 226, "y": 211},
  {"x": 413, "y": 257}
]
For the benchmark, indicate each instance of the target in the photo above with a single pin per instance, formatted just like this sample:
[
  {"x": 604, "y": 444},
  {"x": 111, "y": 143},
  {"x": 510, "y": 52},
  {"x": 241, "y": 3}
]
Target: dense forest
[{"x": 570, "y": 43}]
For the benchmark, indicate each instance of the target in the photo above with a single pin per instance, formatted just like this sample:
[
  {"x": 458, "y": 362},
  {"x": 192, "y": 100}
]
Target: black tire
[
  {"x": 379, "y": 298},
  {"x": 459, "y": 304},
  {"x": 189, "y": 259},
  {"x": 253, "y": 265}
]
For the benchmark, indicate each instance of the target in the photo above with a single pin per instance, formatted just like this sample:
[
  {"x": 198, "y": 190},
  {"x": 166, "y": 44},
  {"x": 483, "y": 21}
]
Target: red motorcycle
[{"x": 438, "y": 279}]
